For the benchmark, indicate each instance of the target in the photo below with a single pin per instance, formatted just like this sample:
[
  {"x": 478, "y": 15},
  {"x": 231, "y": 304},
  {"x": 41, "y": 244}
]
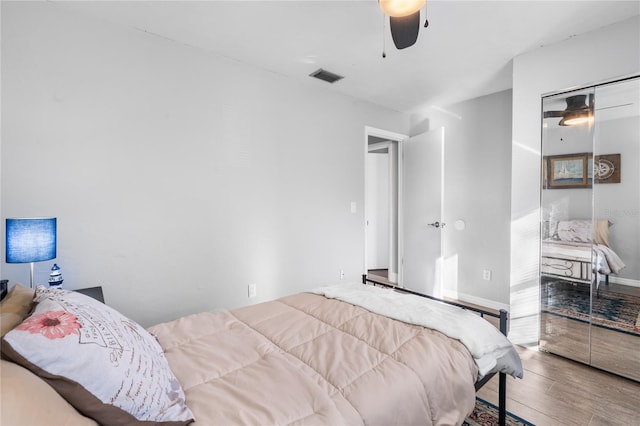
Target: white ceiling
[{"x": 465, "y": 52}]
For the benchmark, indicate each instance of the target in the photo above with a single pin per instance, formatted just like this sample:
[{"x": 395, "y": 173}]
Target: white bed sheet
[
  {"x": 567, "y": 250},
  {"x": 606, "y": 260},
  {"x": 490, "y": 349}
]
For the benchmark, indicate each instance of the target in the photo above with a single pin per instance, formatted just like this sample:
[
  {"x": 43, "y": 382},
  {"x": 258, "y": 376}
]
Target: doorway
[
  {"x": 403, "y": 208},
  {"x": 381, "y": 211}
]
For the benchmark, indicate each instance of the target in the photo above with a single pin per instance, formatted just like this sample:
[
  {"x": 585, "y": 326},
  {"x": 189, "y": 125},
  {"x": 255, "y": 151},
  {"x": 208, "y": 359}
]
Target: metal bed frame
[{"x": 502, "y": 316}]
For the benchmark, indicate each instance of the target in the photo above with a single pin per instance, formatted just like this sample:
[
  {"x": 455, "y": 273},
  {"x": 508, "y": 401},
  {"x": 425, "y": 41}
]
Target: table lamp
[{"x": 30, "y": 240}]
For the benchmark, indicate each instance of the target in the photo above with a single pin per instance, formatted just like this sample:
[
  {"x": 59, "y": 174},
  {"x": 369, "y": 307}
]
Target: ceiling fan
[
  {"x": 578, "y": 110},
  {"x": 404, "y": 20}
]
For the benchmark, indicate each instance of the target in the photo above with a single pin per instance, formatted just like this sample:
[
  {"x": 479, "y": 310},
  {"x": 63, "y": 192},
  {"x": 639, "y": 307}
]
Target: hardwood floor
[
  {"x": 379, "y": 273},
  {"x": 557, "y": 391}
]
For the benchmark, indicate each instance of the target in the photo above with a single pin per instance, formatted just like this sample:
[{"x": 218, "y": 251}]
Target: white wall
[
  {"x": 378, "y": 208},
  {"x": 178, "y": 177},
  {"x": 477, "y": 190},
  {"x": 600, "y": 55},
  {"x": 620, "y": 202}
]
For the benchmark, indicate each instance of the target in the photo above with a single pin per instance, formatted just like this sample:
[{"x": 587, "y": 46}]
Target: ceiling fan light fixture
[
  {"x": 576, "y": 118},
  {"x": 400, "y": 8},
  {"x": 578, "y": 111}
]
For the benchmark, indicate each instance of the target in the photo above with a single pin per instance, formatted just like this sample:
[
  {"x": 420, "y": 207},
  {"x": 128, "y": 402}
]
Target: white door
[{"x": 422, "y": 171}]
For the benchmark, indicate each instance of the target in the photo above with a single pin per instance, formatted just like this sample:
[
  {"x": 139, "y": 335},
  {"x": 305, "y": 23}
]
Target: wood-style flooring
[{"x": 557, "y": 391}]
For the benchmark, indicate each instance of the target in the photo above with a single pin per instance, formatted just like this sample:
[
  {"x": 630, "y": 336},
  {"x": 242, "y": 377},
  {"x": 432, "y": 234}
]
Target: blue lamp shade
[{"x": 30, "y": 240}]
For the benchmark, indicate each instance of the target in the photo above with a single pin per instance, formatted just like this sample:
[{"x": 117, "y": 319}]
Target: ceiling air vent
[{"x": 325, "y": 75}]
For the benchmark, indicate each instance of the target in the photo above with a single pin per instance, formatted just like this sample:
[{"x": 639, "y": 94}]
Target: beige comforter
[{"x": 306, "y": 359}]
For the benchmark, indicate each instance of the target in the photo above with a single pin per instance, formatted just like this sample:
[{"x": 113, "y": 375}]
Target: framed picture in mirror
[
  {"x": 605, "y": 168},
  {"x": 568, "y": 171}
]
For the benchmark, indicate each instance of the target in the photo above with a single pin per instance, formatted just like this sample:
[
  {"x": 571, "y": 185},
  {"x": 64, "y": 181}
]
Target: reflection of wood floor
[
  {"x": 610, "y": 350},
  {"x": 557, "y": 391}
]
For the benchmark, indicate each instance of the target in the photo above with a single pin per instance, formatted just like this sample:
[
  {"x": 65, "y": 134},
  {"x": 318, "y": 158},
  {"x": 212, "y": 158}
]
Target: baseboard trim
[
  {"x": 491, "y": 304},
  {"x": 624, "y": 281}
]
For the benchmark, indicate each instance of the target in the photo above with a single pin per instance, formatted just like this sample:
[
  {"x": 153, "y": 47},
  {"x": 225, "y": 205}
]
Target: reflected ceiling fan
[
  {"x": 578, "y": 110},
  {"x": 404, "y": 20}
]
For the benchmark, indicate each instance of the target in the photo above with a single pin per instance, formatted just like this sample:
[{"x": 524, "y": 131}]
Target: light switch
[{"x": 354, "y": 207}]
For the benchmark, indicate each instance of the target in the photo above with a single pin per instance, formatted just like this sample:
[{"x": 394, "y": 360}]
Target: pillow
[
  {"x": 575, "y": 230},
  {"x": 584, "y": 231},
  {"x": 29, "y": 400},
  {"x": 107, "y": 366},
  {"x": 601, "y": 232},
  {"x": 15, "y": 307}
]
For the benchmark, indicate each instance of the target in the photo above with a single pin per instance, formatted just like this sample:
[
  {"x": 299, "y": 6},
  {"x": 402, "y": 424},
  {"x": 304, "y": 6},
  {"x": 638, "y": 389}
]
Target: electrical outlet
[
  {"x": 486, "y": 275},
  {"x": 341, "y": 274},
  {"x": 252, "y": 290}
]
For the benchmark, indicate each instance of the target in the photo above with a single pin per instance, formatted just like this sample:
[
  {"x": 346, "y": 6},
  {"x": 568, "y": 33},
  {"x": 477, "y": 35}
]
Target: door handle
[{"x": 436, "y": 224}]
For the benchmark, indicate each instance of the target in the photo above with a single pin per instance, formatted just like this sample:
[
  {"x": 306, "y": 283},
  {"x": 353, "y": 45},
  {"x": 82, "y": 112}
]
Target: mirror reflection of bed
[
  {"x": 579, "y": 251},
  {"x": 590, "y": 232}
]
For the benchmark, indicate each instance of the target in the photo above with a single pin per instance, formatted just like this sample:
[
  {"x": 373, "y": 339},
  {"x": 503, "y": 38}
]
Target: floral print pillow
[
  {"x": 52, "y": 324},
  {"x": 106, "y": 365}
]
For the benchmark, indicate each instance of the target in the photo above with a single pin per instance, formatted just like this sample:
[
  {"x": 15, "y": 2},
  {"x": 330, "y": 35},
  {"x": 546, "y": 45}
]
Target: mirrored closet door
[{"x": 590, "y": 230}]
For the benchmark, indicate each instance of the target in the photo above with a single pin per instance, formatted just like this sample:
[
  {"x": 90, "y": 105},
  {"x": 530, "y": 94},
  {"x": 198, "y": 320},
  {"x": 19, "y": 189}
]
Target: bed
[
  {"x": 319, "y": 357},
  {"x": 579, "y": 251}
]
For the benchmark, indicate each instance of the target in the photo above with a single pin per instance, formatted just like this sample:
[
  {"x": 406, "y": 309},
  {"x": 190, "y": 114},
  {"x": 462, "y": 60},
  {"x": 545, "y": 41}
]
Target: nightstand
[
  {"x": 95, "y": 292},
  {"x": 3, "y": 288}
]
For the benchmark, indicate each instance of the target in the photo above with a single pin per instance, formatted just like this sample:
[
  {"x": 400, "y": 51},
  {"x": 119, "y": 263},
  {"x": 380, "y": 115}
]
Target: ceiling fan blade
[
  {"x": 576, "y": 104},
  {"x": 404, "y": 30},
  {"x": 548, "y": 114}
]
